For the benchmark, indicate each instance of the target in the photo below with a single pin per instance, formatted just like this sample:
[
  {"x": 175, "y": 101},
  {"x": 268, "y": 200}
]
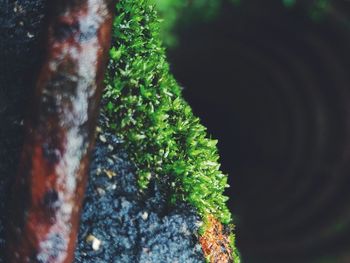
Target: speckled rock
[{"x": 132, "y": 227}]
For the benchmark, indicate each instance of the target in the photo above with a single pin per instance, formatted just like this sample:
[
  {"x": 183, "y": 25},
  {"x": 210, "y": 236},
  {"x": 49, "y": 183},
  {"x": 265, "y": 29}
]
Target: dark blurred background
[{"x": 270, "y": 80}]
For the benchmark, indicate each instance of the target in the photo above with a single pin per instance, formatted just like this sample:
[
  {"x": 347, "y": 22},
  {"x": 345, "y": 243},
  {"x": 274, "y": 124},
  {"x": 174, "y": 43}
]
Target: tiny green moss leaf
[{"x": 147, "y": 111}]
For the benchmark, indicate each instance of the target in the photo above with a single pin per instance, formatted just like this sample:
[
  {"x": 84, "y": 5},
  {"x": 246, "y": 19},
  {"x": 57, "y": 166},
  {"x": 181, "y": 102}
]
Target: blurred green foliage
[
  {"x": 177, "y": 13},
  {"x": 319, "y": 9},
  {"x": 289, "y": 3}
]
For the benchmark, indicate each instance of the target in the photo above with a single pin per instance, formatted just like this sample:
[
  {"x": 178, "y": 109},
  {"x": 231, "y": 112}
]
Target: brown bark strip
[
  {"x": 215, "y": 242},
  {"x": 49, "y": 187}
]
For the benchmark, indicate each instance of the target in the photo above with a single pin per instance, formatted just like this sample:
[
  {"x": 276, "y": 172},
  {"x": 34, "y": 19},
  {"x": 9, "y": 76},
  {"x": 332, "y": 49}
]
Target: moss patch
[{"x": 163, "y": 137}]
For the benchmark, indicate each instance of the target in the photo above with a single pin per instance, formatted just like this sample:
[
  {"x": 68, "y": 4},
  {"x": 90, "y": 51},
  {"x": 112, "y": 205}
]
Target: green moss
[
  {"x": 158, "y": 127},
  {"x": 235, "y": 252}
]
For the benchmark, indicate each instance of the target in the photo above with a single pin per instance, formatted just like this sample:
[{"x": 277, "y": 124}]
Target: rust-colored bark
[
  {"x": 49, "y": 187},
  {"x": 215, "y": 243}
]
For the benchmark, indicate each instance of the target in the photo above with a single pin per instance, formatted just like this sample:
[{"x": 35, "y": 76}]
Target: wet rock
[{"x": 133, "y": 227}]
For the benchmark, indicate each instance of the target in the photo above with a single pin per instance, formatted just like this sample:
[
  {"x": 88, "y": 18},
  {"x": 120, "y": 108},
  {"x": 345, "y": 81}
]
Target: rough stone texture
[{"x": 132, "y": 227}]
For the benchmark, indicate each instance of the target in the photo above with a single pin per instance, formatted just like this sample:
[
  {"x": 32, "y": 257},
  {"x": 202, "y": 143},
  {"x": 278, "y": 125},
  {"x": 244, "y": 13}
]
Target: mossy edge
[{"x": 163, "y": 137}]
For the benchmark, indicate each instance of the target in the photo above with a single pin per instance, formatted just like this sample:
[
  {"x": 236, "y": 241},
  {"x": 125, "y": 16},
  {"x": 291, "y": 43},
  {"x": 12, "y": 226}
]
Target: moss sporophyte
[{"x": 163, "y": 137}]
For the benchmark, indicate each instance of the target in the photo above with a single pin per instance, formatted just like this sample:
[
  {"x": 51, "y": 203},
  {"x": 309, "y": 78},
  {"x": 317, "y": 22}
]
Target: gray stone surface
[{"x": 132, "y": 227}]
